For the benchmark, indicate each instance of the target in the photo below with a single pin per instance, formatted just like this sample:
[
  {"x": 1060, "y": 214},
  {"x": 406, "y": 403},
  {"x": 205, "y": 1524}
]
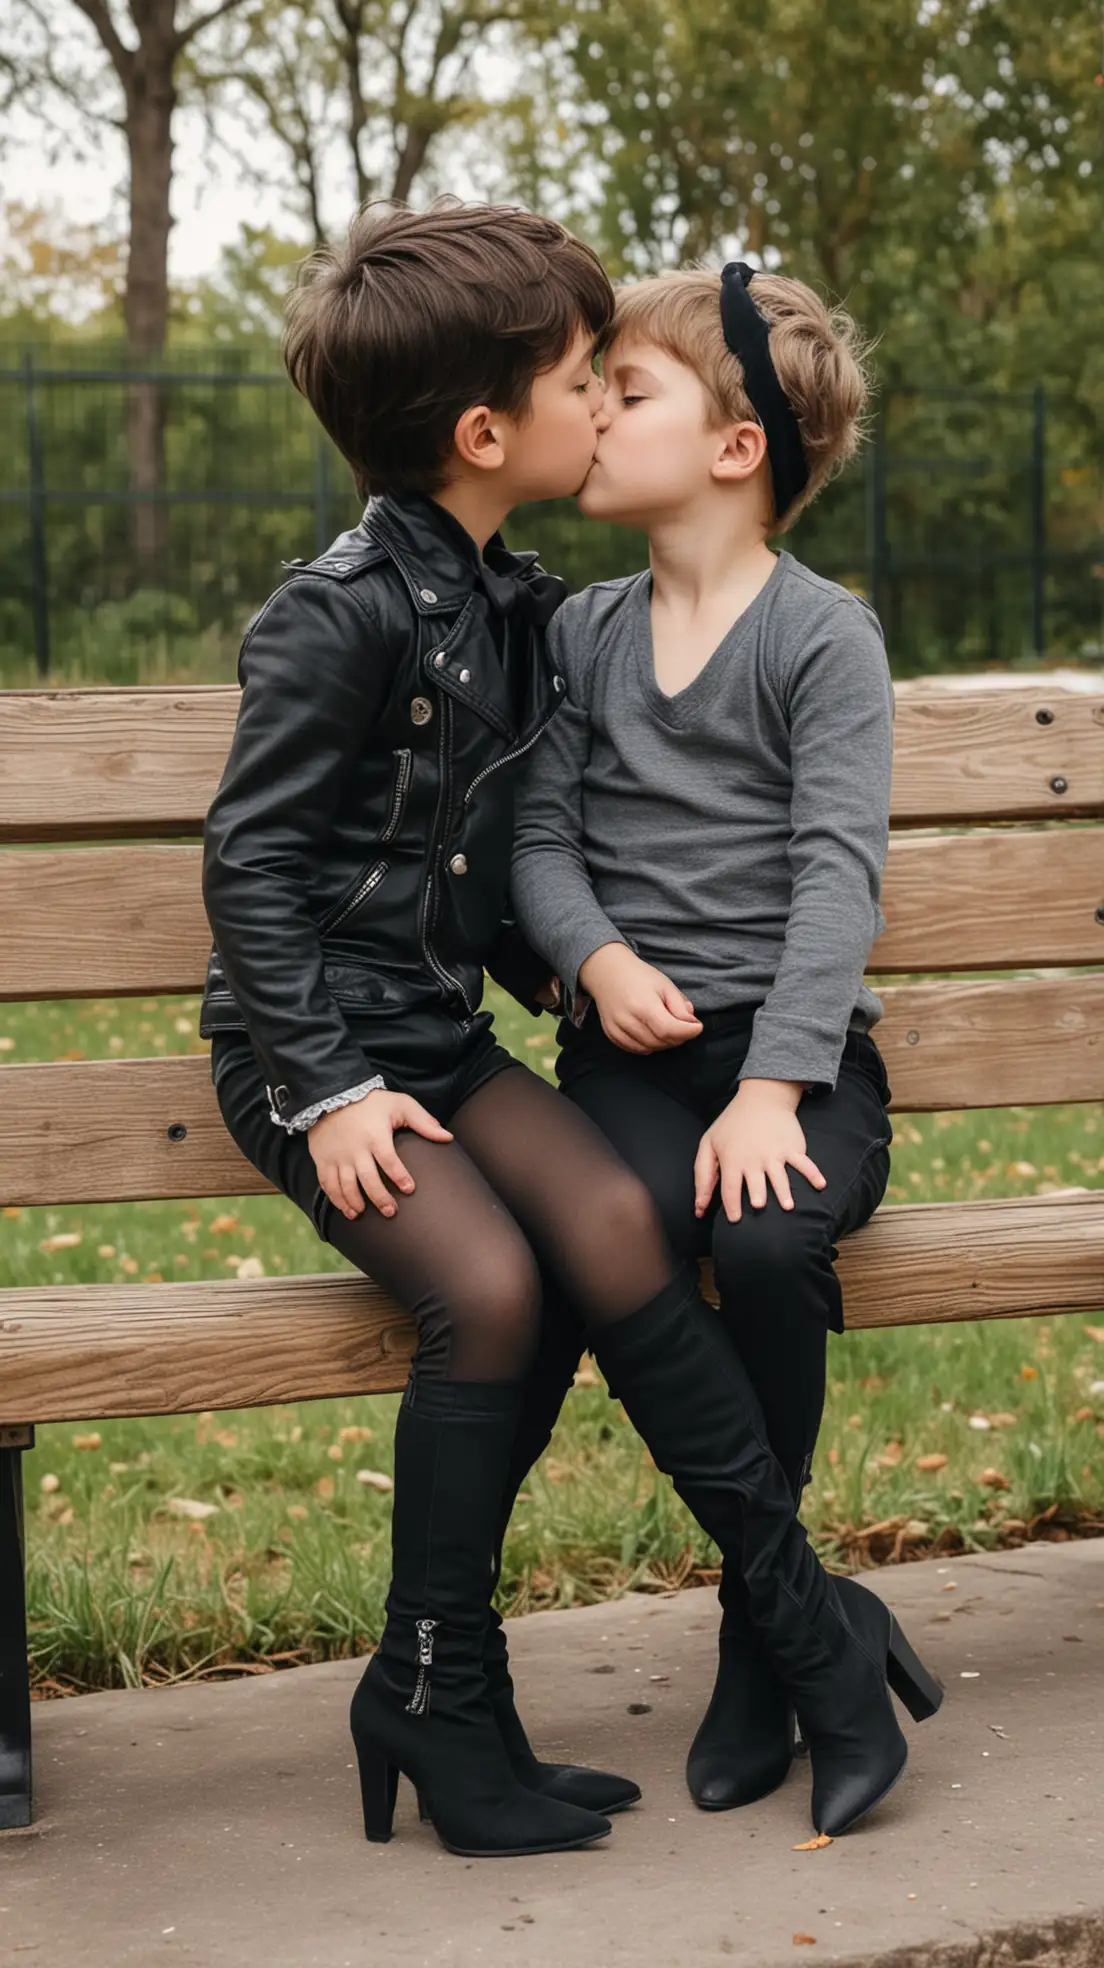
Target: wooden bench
[{"x": 102, "y": 796}]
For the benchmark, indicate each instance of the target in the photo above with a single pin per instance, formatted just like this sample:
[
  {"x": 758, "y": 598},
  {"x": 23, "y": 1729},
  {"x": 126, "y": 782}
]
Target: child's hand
[
  {"x": 752, "y": 1141},
  {"x": 640, "y": 1009},
  {"x": 351, "y": 1146}
]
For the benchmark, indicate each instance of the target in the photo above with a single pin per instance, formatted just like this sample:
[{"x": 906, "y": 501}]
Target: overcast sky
[{"x": 210, "y": 203}]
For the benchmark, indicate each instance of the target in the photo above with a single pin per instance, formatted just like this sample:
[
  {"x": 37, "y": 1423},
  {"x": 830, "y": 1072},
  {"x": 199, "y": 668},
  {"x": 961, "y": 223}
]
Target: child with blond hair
[{"x": 699, "y": 854}]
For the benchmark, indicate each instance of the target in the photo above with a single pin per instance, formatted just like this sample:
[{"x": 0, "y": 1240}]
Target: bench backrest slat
[
  {"x": 129, "y": 920},
  {"x": 109, "y": 1131},
  {"x": 96, "y": 764}
]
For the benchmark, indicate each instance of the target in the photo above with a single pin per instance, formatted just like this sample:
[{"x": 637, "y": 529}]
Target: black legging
[
  {"x": 529, "y": 1186},
  {"x": 773, "y": 1269}
]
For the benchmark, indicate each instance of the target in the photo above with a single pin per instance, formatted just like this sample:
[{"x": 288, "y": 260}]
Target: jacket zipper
[
  {"x": 371, "y": 880},
  {"x": 376, "y": 873},
  {"x": 405, "y": 760},
  {"x": 442, "y": 975},
  {"x": 508, "y": 758},
  {"x": 419, "y": 1700}
]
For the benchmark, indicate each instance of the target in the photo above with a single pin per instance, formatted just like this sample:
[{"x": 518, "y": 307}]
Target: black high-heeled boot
[
  {"x": 559, "y": 1348},
  {"x": 745, "y": 1742},
  {"x": 574, "y": 1783},
  {"x": 744, "y": 1745},
  {"x": 834, "y": 1646},
  {"x": 422, "y": 1706}
]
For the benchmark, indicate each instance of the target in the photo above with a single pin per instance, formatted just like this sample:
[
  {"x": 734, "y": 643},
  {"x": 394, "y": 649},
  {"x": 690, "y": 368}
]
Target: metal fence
[{"x": 145, "y": 513}]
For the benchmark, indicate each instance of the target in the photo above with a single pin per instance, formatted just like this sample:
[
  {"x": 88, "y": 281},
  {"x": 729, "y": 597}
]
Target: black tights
[{"x": 528, "y": 1205}]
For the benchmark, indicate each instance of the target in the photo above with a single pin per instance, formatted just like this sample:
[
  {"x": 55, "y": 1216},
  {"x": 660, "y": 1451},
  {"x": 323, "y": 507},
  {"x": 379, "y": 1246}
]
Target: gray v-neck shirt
[{"x": 734, "y": 833}]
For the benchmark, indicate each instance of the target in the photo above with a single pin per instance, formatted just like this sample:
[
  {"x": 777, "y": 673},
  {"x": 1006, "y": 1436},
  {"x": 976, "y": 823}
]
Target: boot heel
[
  {"x": 379, "y": 1783},
  {"x": 921, "y": 1693}
]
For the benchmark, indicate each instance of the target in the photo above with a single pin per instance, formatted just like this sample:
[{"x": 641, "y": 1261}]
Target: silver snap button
[
  {"x": 557, "y": 683},
  {"x": 340, "y": 566},
  {"x": 459, "y": 864},
  {"x": 421, "y": 710},
  {"x": 427, "y": 594},
  {"x": 465, "y": 676},
  {"x": 439, "y": 660}
]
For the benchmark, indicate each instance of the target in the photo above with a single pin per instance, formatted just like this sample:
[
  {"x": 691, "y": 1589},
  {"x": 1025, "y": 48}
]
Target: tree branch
[
  {"x": 122, "y": 57},
  {"x": 186, "y": 34}
]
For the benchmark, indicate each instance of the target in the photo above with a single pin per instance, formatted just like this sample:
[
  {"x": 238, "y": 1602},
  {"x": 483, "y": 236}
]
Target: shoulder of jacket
[{"x": 345, "y": 561}]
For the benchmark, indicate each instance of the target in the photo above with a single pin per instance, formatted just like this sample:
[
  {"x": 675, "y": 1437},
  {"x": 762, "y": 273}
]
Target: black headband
[{"x": 747, "y": 334}]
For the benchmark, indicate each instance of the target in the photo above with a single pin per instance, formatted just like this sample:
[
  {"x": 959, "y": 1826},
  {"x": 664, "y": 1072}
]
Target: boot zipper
[{"x": 419, "y": 1700}]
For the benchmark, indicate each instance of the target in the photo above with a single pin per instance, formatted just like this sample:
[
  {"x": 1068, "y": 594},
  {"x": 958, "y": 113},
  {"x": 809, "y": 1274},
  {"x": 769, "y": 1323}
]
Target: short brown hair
[
  {"x": 819, "y": 353},
  {"x": 417, "y": 316}
]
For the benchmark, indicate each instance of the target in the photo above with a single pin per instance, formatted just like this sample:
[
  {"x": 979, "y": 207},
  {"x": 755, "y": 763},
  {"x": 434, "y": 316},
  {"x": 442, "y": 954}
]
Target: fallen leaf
[
  {"x": 354, "y": 1433},
  {"x": 993, "y": 1479},
  {"x": 375, "y": 1479},
  {"x": 804, "y": 1940},
  {"x": 1021, "y": 1168},
  {"x": 251, "y": 1267},
  {"x": 890, "y": 1456},
  {"x": 105, "y": 1250},
  {"x": 298, "y": 1511},
  {"x": 335, "y": 1452},
  {"x": 1082, "y": 1414},
  {"x": 816, "y": 1844},
  {"x": 49, "y": 1485},
  {"x": 88, "y": 1441},
  {"x": 65, "y": 1240},
  {"x": 189, "y": 1507},
  {"x": 221, "y": 1226},
  {"x": 980, "y": 1422},
  {"x": 1097, "y": 1333},
  {"x": 1029, "y": 1373},
  {"x": 13, "y": 1212},
  {"x": 324, "y": 1488},
  {"x": 1004, "y": 1420},
  {"x": 129, "y": 1265},
  {"x": 7, "y": 1045},
  {"x": 932, "y": 1462}
]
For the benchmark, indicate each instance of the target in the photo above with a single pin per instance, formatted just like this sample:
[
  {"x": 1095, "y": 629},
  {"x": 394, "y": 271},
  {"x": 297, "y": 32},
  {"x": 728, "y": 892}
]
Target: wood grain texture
[
  {"x": 100, "y": 1351},
  {"x": 129, "y": 921},
  {"x": 1022, "y": 1042},
  {"x": 87, "y": 764},
  {"x": 99, "y": 1130}
]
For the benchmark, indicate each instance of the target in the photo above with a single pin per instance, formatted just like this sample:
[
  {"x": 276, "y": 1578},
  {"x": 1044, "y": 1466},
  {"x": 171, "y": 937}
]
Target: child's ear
[
  {"x": 741, "y": 450},
  {"x": 477, "y": 439}
]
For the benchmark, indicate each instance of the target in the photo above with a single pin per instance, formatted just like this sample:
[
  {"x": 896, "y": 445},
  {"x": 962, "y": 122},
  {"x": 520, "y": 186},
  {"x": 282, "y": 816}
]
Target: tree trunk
[{"x": 150, "y": 102}]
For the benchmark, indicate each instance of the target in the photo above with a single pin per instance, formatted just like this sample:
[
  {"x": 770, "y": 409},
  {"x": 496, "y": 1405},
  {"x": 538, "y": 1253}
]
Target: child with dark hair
[{"x": 356, "y": 872}]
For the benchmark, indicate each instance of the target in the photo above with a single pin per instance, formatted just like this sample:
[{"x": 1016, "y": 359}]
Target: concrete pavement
[{"x": 216, "y": 1826}]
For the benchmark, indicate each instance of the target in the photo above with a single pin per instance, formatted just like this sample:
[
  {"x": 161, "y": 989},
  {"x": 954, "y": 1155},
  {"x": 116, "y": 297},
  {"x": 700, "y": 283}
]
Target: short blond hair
[{"x": 820, "y": 355}]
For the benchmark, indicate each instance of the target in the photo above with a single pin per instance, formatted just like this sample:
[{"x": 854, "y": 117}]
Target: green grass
[{"x": 290, "y": 1561}]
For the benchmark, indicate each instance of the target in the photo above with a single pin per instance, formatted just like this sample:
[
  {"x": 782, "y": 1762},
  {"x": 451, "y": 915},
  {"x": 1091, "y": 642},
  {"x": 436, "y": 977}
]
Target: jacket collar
[{"x": 442, "y": 566}]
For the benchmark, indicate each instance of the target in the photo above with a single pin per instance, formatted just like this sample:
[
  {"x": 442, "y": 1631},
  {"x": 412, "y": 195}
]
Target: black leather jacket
[{"x": 357, "y": 853}]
